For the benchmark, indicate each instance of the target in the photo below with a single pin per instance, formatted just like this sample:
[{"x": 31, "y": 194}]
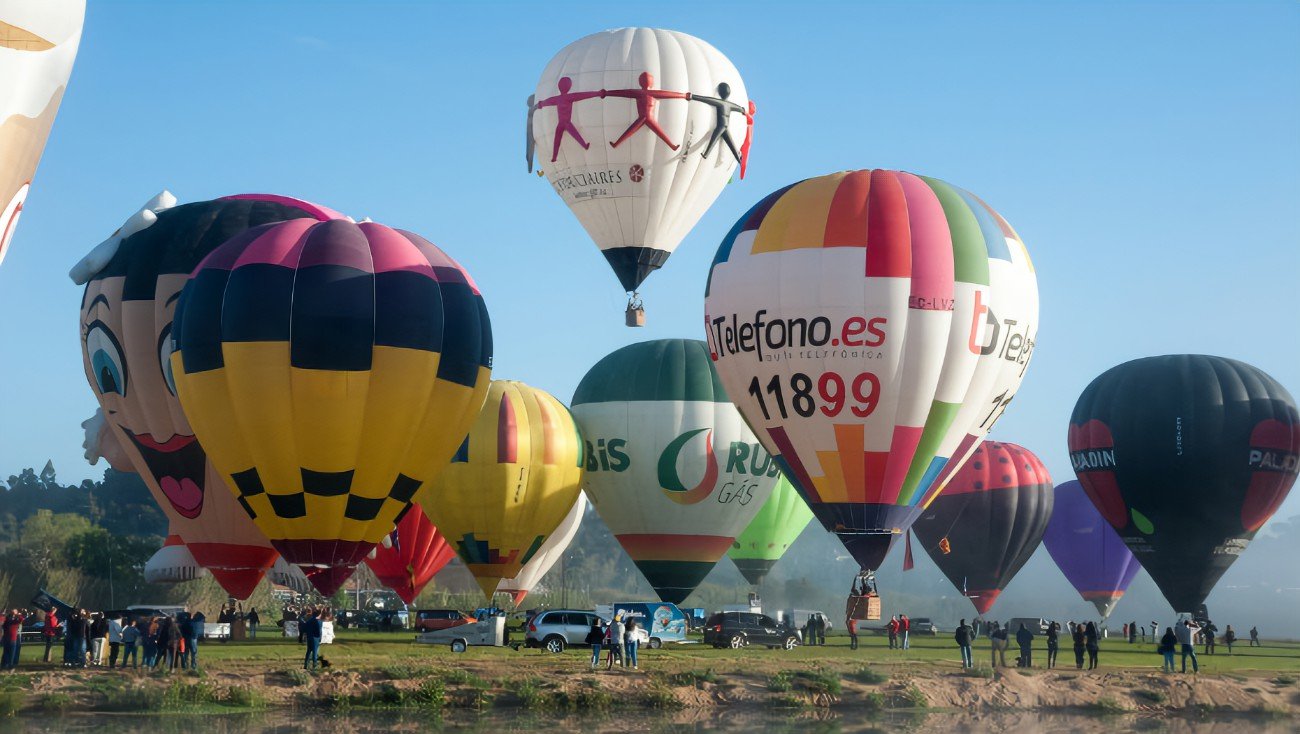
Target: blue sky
[{"x": 1147, "y": 153}]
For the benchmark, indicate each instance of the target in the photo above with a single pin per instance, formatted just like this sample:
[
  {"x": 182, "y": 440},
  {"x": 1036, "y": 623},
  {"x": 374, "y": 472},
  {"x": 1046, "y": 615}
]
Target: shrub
[
  {"x": 780, "y": 682},
  {"x": 694, "y": 678},
  {"x": 459, "y": 677},
  {"x": 244, "y": 697},
  {"x": 431, "y": 694},
  {"x": 979, "y": 671},
  {"x": 56, "y": 703},
  {"x": 1106, "y": 705},
  {"x": 874, "y": 701},
  {"x": 11, "y": 702},
  {"x": 820, "y": 680},
  {"x": 298, "y": 676},
  {"x": 787, "y": 701},
  {"x": 658, "y": 697},
  {"x": 870, "y": 676},
  {"x": 403, "y": 671},
  {"x": 1284, "y": 680},
  {"x": 914, "y": 697},
  {"x": 1150, "y": 696}
]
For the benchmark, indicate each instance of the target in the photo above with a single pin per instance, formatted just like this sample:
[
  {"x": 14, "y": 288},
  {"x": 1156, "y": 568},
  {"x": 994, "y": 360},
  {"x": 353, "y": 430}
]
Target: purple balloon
[{"x": 1088, "y": 550}]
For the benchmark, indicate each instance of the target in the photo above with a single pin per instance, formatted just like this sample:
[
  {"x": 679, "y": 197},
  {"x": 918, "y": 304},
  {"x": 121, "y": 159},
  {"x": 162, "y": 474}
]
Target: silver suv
[{"x": 556, "y": 629}]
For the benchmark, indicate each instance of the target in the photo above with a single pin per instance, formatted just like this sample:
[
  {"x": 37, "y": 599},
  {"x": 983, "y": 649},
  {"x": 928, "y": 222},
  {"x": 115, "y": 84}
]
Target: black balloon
[
  {"x": 988, "y": 520},
  {"x": 1186, "y": 456}
]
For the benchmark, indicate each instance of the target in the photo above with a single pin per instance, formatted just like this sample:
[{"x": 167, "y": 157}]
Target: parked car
[
  {"x": 923, "y": 626},
  {"x": 557, "y": 629},
  {"x": 1036, "y": 625},
  {"x": 799, "y": 617},
  {"x": 428, "y": 620},
  {"x": 738, "y": 629}
]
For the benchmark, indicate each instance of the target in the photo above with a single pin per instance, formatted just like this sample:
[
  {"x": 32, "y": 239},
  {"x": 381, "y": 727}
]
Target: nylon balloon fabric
[
  {"x": 330, "y": 370},
  {"x": 546, "y": 557},
  {"x": 38, "y": 45},
  {"x": 1186, "y": 456},
  {"x": 672, "y": 468},
  {"x": 1088, "y": 550},
  {"x": 416, "y": 552},
  {"x": 993, "y": 515},
  {"x": 771, "y": 533},
  {"x": 510, "y": 485},
  {"x": 871, "y": 326}
]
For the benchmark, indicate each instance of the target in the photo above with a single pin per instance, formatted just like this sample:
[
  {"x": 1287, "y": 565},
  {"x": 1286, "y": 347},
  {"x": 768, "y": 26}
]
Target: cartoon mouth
[{"x": 180, "y": 467}]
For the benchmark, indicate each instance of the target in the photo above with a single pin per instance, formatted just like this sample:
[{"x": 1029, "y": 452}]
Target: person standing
[
  {"x": 312, "y": 630},
  {"x": 1125, "y": 630},
  {"x": 1229, "y": 637},
  {"x": 69, "y": 647},
  {"x": 892, "y": 628},
  {"x": 13, "y": 629},
  {"x": 185, "y": 628},
  {"x": 149, "y": 640},
  {"x": 1209, "y": 631},
  {"x": 1093, "y": 642},
  {"x": 1254, "y": 637},
  {"x": 1186, "y": 634},
  {"x": 169, "y": 642},
  {"x": 253, "y": 621},
  {"x": 114, "y": 640},
  {"x": 131, "y": 643},
  {"x": 98, "y": 635},
  {"x": 1053, "y": 643},
  {"x": 617, "y": 631},
  {"x": 851, "y": 625},
  {"x": 998, "y": 645},
  {"x": 82, "y": 642},
  {"x": 631, "y": 643},
  {"x": 963, "y": 638},
  {"x": 1080, "y": 643},
  {"x": 1168, "y": 644},
  {"x": 50, "y": 631},
  {"x": 821, "y": 629},
  {"x": 905, "y": 626},
  {"x": 197, "y": 623},
  {"x": 1025, "y": 641},
  {"x": 595, "y": 636}
]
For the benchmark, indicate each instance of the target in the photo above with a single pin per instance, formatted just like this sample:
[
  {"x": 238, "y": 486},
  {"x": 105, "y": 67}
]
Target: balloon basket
[
  {"x": 863, "y": 607},
  {"x": 635, "y": 314}
]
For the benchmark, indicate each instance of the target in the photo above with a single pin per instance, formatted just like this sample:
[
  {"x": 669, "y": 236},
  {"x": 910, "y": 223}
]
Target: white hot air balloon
[
  {"x": 547, "y": 556},
  {"x": 38, "y": 43},
  {"x": 638, "y": 130},
  {"x": 172, "y": 564}
]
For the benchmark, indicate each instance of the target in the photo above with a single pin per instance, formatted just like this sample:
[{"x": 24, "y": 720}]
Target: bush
[
  {"x": 244, "y": 697},
  {"x": 820, "y": 681},
  {"x": 693, "y": 678},
  {"x": 298, "y": 677},
  {"x": 56, "y": 703},
  {"x": 135, "y": 699},
  {"x": 380, "y": 695},
  {"x": 658, "y": 697},
  {"x": 1150, "y": 696},
  {"x": 979, "y": 671},
  {"x": 870, "y": 676},
  {"x": 459, "y": 677},
  {"x": 1284, "y": 680},
  {"x": 1106, "y": 705},
  {"x": 787, "y": 701},
  {"x": 11, "y": 702},
  {"x": 780, "y": 682},
  {"x": 403, "y": 672},
  {"x": 914, "y": 697},
  {"x": 874, "y": 701},
  {"x": 431, "y": 694}
]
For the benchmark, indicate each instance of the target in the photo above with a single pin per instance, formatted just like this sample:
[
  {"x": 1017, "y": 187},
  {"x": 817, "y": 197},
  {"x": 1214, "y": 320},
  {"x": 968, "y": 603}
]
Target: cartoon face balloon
[
  {"x": 38, "y": 43},
  {"x": 132, "y": 285},
  {"x": 871, "y": 326}
]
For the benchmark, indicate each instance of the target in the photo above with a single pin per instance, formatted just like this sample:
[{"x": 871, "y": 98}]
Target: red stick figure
[
  {"x": 563, "y": 104},
  {"x": 645, "y": 108},
  {"x": 749, "y": 138}
]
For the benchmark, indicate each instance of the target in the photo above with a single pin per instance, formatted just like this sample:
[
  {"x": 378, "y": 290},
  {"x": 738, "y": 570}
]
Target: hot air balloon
[
  {"x": 671, "y": 466},
  {"x": 547, "y": 556},
  {"x": 291, "y": 577},
  {"x": 1088, "y": 550},
  {"x": 173, "y": 564},
  {"x": 416, "y": 551},
  {"x": 638, "y": 130},
  {"x": 515, "y": 477},
  {"x": 38, "y": 43},
  {"x": 330, "y": 370},
  {"x": 132, "y": 282},
  {"x": 1186, "y": 456},
  {"x": 992, "y": 516},
  {"x": 871, "y": 326},
  {"x": 777, "y": 524}
]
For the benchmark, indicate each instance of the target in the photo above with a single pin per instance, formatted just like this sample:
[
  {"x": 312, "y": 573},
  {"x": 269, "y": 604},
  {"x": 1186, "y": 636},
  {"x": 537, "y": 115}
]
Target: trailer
[{"x": 490, "y": 632}]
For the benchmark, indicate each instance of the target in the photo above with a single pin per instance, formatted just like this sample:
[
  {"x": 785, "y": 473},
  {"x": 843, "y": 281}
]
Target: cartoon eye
[
  {"x": 165, "y": 357},
  {"x": 106, "y": 360}
]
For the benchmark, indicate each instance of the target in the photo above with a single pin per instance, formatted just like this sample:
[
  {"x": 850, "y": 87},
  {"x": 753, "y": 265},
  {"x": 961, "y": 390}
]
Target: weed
[
  {"x": 244, "y": 697},
  {"x": 780, "y": 682},
  {"x": 1106, "y": 706},
  {"x": 431, "y": 694},
  {"x": 820, "y": 680},
  {"x": 11, "y": 702},
  {"x": 298, "y": 676},
  {"x": 531, "y": 696},
  {"x": 459, "y": 677},
  {"x": 658, "y": 697},
  {"x": 870, "y": 676},
  {"x": 915, "y": 697},
  {"x": 1284, "y": 680},
  {"x": 787, "y": 701},
  {"x": 403, "y": 671},
  {"x": 874, "y": 701},
  {"x": 135, "y": 699},
  {"x": 56, "y": 703},
  {"x": 1150, "y": 696},
  {"x": 380, "y": 695},
  {"x": 694, "y": 678},
  {"x": 979, "y": 671}
]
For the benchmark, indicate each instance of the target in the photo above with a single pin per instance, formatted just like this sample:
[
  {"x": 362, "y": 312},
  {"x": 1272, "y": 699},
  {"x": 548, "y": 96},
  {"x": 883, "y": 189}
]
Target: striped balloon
[
  {"x": 639, "y": 179},
  {"x": 671, "y": 466},
  {"x": 546, "y": 557},
  {"x": 516, "y": 475},
  {"x": 871, "y": 326},
  {"x": 330, "y": 369},
  {"x": 174, "y": 564},
  {"x": 773, "y": 530}
]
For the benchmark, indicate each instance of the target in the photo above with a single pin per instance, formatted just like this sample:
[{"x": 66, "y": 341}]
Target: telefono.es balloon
[{"x": 871, "y": 326}]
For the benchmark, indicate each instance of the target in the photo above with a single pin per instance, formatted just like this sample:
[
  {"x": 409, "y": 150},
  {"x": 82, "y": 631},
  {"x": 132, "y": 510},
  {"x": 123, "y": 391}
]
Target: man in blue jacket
[{"x": 311, "y": 629}]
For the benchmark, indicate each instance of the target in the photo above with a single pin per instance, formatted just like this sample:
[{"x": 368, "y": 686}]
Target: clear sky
[{"x": 1149, "y": 155}]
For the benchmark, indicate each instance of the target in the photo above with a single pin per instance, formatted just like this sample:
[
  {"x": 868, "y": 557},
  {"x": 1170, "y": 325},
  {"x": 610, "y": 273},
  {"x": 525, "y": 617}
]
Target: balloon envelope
[
  {"x": 551, "y": 551},
  {"x": 871, "y": 326},
  {"x": 1087, "y": 549},
  {"x": 515, "y": 477},
  {"x": 330, "y": 370},
  {"x": 626, "y": 150},
  {"x": 172, "y": 564},
  {"x": 993, "y": 514},
  {"x": 1186, "y": 456},
  {"x": 126, "y": 326},
  {"x": 416, "y": 553},
  {"x": 38, "y": 43},
  {"x": 776, "y": 526},
  {"x": 671, "y": 467}
]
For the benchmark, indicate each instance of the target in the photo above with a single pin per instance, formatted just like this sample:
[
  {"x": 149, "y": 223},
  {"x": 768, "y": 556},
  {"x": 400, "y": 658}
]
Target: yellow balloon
[{"x": 511, "y": 483}]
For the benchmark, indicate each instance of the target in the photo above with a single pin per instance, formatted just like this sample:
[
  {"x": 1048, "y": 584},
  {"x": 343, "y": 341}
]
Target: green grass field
[{"x": 369, "y": 650}]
